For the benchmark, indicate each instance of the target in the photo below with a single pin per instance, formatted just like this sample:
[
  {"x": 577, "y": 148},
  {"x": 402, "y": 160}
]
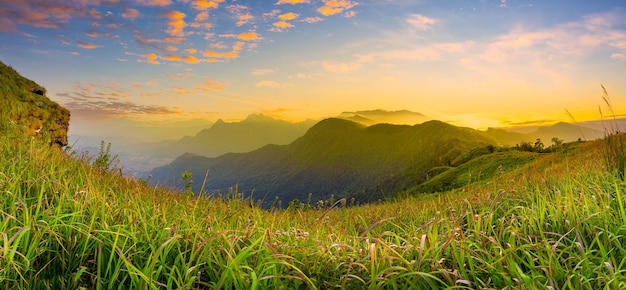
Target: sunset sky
[{"x": 472, "y": 63}]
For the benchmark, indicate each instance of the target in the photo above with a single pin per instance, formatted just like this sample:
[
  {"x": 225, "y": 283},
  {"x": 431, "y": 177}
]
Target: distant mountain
[
  {"x": 222, "y": 137},
  {"x": 565, "y": 131},
  {"x": 335, "y": 157},
  {"x": 371, "y": 117}
]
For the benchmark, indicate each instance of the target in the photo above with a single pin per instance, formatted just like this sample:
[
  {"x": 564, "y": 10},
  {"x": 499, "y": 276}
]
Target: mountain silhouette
[
  {"x": 335, "y": 157},
  {"x": 223, "y": 137}
]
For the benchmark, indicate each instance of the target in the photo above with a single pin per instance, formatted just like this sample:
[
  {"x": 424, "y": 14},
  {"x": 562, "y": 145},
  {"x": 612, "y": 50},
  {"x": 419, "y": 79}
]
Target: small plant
[
  {"x": 188, "y": 178},
  {"x": 105, "y": 160}
]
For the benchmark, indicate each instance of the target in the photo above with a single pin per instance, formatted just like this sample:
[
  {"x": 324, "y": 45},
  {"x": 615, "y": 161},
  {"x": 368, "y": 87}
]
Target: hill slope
[
  {"x": 24, "y": 106},
  {"x": 335, "y": 157}
]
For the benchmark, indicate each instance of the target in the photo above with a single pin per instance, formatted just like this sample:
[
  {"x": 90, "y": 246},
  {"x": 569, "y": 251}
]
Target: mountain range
[
  {"x": 222, "y": 137},
  {"x": 342, "y": 158},
  {"x": 335, "y": 157}
]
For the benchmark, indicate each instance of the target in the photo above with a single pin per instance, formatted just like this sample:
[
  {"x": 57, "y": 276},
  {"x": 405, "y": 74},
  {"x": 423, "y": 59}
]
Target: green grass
[
  {"x": 559, "y": 221},
  {"x": 24, "y": 107}
]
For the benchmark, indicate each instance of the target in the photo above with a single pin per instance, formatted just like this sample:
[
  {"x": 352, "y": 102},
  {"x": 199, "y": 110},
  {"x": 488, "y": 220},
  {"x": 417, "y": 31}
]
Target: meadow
[{"x": 556, "y": 222}]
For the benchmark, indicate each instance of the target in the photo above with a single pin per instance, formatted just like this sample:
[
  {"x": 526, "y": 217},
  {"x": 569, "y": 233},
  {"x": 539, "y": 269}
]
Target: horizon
[{"x": 476, "y": 64}]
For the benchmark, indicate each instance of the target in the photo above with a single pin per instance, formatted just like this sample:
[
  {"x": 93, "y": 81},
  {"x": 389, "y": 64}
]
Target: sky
[{"x": 482, "y": 63}]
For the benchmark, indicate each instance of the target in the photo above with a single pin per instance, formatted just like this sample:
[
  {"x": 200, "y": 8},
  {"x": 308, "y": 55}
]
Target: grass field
[{"x": 556, "y": 222}]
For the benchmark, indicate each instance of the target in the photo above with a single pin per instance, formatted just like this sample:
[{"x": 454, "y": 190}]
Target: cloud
[
  {"x": 175, "y": 22},
  {"x": 421, "y": 22},
  {"x": 595, "y": 31},
  {"x": 619, "y": 56},
  {"x": 292, "y": 2},
  {"x": 6, "y": 25},
  {"x": 150, "y": 58},
  {"x": 206, "y": 4},
  {"x": 191, "y": 50},
  {"x": 219, "y": 55},
  {"x": 190, "y": 59},
  {"x": 87, "y": 45},
  {"x": 261, "y": 71},
  {"x": 243, "y": 19},
  {"x": 267, "y": 84},
  {"x": 209, "y": 86},
  {"x": 96, "y": 34},
  {"x": 248, "y": 36},
  {"x": 288, "y": 16},
  {"x": 161, "y": 3},
  {"x": 130, "y": 13},
  {"x": 312, "y": 19},
  {"x": 202, "y": 16},
  {"x": 332, "y": 7},
  {"x": 349, "y": 14},
  {"x": 90, "y": 100},
  {"x": 281, "y": 26}
]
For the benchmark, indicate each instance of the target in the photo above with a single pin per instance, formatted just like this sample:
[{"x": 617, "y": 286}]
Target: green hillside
[
  {"x": 24, "y": 108},
  {"x": 336, "y": 158},
  {"x": 555, "y": 222}
]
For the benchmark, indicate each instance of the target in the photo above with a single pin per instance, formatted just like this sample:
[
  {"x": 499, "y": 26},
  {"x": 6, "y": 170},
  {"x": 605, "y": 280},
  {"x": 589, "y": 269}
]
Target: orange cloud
[
  {"x": 176, "y": 22},
  {"x": 243, "y": 19},
  {"x": 87, "y": 45},
  {"x": 188, "y": 59},
  {"x": 332, "y": 7},
  {"x": 214, "y": 56},
  {"x": 209, "y": 86},
  {"x": 151, "y": 58},
  {"x": 154, "y": 2},
  {"x": 171, "y": 48},
  {"x": 172, "y": 57},
  {"x": 206, "y": 4},
  {"x": 130, "y": 13},
  {"x": 248, "y": 36},
  {"x": 288, "y": 16},
  {"x": 202, "y": 16},
  {"x": 291, "y": 2},
  {"x": 280, "y": 26},
  {"x": 191, "y": 50}
]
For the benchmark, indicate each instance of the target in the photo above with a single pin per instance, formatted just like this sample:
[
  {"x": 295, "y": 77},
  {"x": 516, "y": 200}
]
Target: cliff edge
[{"x": 25, "y": 108}]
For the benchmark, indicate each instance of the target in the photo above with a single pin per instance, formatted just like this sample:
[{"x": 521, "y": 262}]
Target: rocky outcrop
[{"x": 25, "y": 108}]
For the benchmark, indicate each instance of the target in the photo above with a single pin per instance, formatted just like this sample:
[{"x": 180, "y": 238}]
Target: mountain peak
[{"x": 259, "y": 118}]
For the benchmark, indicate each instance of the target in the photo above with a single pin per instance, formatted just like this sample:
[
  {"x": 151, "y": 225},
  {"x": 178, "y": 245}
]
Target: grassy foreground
[{"x": 558, "y": 222}]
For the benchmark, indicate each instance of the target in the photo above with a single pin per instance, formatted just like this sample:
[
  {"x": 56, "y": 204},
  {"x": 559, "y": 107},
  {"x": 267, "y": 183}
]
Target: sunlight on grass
[{"x": 558, "y": 222}]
